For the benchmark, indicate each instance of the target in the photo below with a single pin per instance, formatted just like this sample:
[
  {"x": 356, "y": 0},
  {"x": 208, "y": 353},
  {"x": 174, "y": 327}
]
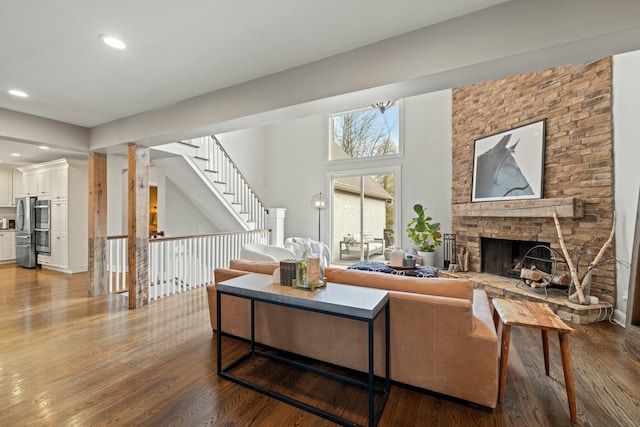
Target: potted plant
[{"x": 425, "y": 235}]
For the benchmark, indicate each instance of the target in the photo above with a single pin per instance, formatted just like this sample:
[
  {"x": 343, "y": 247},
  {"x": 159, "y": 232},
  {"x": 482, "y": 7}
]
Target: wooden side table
[{"x": 539, "y": 316}]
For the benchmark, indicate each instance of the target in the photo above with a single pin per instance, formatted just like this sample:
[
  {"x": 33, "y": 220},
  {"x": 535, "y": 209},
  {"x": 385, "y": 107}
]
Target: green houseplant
[{"x": 424, "y": 234}]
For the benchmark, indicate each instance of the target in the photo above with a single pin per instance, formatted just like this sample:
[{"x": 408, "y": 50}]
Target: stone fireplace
[{"x": 575, "y": 102}]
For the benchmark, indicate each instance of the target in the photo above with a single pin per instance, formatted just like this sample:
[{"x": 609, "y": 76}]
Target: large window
[{"x": 365, "y": 133}]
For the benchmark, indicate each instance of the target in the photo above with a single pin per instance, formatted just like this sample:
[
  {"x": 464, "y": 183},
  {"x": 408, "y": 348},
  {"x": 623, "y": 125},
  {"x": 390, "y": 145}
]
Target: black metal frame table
[{"x": 352, "y": 302}]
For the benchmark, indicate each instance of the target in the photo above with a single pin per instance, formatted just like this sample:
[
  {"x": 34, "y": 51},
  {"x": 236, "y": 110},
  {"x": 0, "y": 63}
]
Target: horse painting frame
[{"x": 509, "y": 165}]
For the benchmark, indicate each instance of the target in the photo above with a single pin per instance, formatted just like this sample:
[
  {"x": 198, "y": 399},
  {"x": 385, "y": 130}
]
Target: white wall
[
  {"x": 116, "y": 203},
  {"x": 296, "y": 169},
  {"x": 296, "y": 166},
  {"x": 626, "y": 105},
  {"x": 247, "y": 150},
  {"x": 426, "y": 169},
  {"x": 181, "y": 216}
]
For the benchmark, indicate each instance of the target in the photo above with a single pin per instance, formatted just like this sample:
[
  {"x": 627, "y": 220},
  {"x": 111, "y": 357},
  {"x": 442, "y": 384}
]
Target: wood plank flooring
[{"x": 70, "y": 360}]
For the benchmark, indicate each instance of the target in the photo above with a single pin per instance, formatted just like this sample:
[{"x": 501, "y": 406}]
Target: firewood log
[{"x": 530, "y": 273}]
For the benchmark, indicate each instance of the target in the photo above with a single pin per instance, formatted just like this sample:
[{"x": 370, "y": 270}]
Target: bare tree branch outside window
[{"x": 366, "y": 133}]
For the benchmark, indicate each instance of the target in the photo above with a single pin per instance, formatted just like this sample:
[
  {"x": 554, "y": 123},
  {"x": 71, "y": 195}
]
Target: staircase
[{"x": 208, "y": 177}]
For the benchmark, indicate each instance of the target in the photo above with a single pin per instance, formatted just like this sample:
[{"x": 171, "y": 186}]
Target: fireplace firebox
[{"x": 503, "y": 257}]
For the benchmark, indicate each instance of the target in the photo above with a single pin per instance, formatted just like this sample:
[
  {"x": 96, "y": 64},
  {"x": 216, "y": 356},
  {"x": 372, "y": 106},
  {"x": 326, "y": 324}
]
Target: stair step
[
  {"x": 229, "y": 194},
  {"x": 201, "y": 158},
  {"x": 210, "y": 170},
  {"x": 220, "y": 182}
]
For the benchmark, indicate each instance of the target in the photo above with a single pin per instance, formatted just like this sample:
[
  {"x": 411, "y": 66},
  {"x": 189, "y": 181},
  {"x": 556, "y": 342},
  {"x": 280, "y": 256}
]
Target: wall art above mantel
[{"x": 509, "y": 165}]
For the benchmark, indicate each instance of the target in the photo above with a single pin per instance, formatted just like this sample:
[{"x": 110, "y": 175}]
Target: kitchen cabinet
[
  {"x": 60, "y": 250},
  {"x": 17, "y": 185},
  {"x": 6, "y": 187},
  {"x": 58, "y": 185},
  {"x": 36, "y": 183},
  {"x": 30, "y": 184},
  {"x": 7, "y": 245},
  {"x": 59, "y": 216},
  {"x": 59, "y": 258},
  {"x": 65, "y": 182},
  {"x": 44, "y": 188}
]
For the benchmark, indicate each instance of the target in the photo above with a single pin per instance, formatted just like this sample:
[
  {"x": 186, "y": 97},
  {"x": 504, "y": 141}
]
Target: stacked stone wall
[{"x": 576, "y": 104}]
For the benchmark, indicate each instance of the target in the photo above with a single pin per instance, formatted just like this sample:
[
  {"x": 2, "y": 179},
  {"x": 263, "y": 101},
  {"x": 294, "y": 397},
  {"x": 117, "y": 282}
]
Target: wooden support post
[
  {"x": 98, "y": 278},
  {"x": 138, "y": 242}
]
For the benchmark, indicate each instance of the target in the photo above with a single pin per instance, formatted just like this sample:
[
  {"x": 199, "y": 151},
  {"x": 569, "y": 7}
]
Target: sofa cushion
[
  {"x": 262, "y": 267},
  {"x": 453, "y": 288}
]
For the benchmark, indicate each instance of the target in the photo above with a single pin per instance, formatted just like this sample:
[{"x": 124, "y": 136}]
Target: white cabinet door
[
  {"x": 6, "y": 187},
  {"x": 59, "y": 216},
  {"x": 7, "y": 245},
  {"x": 2, "y": 246},
  {"x": 58, "y": 184},
  {"x": 60, "y": 251},
  {"x": 12, "y": 245},
  {"x": 17, "y": 185},
  {"x": 30, "y": 184},
  {"x": 43, "y": 182}
]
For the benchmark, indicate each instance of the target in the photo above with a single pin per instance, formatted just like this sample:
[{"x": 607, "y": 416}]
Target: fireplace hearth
[{"x": 504, "y": 257}]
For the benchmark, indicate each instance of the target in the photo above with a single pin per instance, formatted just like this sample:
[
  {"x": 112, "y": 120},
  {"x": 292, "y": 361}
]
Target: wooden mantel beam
[{"x": 569, "y": 207}]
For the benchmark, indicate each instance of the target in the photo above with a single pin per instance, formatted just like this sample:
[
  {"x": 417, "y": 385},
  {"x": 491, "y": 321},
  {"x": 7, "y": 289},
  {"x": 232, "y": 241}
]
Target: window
[
  {"x": 363, "y": 215},
  {"x": 365, "y": 133}
]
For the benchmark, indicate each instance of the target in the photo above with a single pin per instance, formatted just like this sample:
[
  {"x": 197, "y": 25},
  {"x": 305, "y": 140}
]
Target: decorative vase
[
  {"x": 309, "y": 265},
  {"x": 574, "y": 296},
  {"x": 396, "y": 258},
  {"x": 428, "y": 258}
]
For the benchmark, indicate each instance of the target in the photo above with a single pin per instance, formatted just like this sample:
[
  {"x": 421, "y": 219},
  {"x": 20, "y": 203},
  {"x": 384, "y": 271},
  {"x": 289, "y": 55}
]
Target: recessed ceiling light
[
  {"x": 113, "y": 42},
  {"x": 44, "y": 147},
  {"x": 16, "y": 154},
  {"x": 16, "y": 92}
]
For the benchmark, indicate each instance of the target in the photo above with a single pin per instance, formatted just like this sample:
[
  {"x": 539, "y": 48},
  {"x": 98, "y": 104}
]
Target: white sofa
[
  {"x": 263, "y": 252},
  {"x": 290, "y": 243}
]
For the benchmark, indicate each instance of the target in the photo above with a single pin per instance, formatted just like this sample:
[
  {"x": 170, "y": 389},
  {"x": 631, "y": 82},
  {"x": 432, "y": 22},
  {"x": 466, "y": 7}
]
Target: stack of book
[{"x": 287, "y": 272}]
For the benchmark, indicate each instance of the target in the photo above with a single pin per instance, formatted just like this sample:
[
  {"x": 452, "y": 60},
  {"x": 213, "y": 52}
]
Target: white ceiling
[
  {"x": 180, "y": 49},
  {"x": 186, "y": 67},
  {"x": 30, "y": 153}
]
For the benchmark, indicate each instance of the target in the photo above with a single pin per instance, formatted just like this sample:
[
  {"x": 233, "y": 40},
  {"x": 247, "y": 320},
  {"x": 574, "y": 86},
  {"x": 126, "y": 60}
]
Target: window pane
[
  {"x": 367, "y": 233},
  {"x": 365, "y": 133}
]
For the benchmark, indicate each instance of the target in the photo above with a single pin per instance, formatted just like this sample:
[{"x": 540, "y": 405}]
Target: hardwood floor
[{"x": 70, "y": 360}]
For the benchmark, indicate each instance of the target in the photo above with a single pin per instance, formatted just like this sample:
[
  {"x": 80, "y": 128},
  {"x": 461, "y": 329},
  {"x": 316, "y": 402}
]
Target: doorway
[{"x": 153, "y": 210}]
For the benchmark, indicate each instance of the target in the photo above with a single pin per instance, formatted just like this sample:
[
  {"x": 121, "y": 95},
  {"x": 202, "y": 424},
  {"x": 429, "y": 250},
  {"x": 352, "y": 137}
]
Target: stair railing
[
  {"x": 178, "y": 264},
  {"x": 227, "y": 173}
]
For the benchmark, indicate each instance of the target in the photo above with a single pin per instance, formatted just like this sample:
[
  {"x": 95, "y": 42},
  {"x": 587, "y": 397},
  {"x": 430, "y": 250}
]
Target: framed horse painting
[{"x": 509, "y": 165}]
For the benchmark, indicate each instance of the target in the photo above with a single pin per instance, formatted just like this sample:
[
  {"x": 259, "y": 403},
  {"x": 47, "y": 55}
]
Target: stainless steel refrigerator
[{"x": 26, "y": 255}]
